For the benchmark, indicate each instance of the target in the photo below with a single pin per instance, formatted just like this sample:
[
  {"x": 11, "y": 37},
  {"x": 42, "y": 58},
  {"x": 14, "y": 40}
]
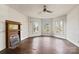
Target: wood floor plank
[{"x": 44, "y": 45}]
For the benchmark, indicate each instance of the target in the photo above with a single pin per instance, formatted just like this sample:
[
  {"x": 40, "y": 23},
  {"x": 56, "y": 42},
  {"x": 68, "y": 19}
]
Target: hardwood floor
[{"x": 44, "y": 45}]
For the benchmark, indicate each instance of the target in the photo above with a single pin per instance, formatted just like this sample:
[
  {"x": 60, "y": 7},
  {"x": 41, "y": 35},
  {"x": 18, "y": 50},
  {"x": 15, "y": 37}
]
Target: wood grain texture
[
  {"x": 9, "y": 33},
  {"x": 44, "y": 45}
]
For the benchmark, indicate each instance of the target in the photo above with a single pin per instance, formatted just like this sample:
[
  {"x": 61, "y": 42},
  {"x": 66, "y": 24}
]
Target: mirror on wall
[{"x": 13, "y": 27}]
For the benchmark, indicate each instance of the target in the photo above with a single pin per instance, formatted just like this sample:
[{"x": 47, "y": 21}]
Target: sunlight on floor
[
  {"x": 59, "y": 46},
  {"x": 35, "y": 45}
]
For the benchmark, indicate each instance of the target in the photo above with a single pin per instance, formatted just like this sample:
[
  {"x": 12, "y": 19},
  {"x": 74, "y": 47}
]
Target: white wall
[
  {"x": 7, "y": 13},
  {"x": 73, "y": 26}
]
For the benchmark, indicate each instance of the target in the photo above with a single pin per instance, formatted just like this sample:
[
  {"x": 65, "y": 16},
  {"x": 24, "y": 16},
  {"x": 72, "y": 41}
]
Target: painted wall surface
[
  {"x": 73, "y": 26},
  {"x": 7, "y": 13}
]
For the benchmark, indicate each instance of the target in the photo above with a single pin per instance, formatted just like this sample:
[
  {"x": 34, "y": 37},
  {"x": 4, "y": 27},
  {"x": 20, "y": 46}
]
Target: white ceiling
[{"x": 34, "y": 10}]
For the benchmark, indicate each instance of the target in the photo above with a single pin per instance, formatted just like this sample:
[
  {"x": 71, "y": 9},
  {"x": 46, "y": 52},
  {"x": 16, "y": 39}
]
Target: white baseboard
[{"x": 73, "y": 43}]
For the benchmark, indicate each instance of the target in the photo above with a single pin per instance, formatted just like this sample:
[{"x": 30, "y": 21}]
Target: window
[
  {"x": 59, "y": 26},
  {"x": 35, "y": 27}
]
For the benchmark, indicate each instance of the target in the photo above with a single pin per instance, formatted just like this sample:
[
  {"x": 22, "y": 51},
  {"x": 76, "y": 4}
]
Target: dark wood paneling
[{"x": 9, "y": 32}]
